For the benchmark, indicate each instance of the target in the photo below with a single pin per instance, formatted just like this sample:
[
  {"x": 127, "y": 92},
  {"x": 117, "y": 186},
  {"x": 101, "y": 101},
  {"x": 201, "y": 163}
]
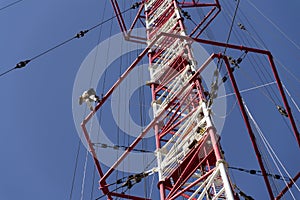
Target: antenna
[{"x": 190, "y": 163}]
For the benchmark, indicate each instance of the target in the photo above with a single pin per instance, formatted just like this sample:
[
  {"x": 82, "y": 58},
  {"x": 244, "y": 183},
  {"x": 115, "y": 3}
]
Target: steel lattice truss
[{"x": 189, "y": 161}]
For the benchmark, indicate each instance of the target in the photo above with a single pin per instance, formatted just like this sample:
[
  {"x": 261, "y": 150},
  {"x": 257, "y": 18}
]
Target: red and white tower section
[{"x": 189, "y": 160}]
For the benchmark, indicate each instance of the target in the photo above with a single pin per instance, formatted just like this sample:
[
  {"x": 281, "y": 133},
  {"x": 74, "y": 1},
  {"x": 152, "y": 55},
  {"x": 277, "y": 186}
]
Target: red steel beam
[
  {"x": 137, "y": 16},
  {"x": 127, "y": 33},
  {"x": 214, "y": 16},
  {"x": 123, "y": 28},
  {"x": 119, "y": 17},
  {"x": 142, "y": 134},
  {"x": 283, "y": 96},
  {"x": 96, "y": 161},
  {"x": 103, "y": 184},
  {"x": 189, "y": 168},
  {"x": 246, "y": 120},
  {"x": 290, "y": 184},
  {"x": 192, "y": 184},
  {"x": 254, "y": 50}
]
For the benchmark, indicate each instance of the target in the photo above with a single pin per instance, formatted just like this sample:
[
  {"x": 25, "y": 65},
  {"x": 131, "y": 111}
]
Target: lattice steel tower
[
  {"x": 189, "y": 160},
  {"x": 190, "y": 163}
]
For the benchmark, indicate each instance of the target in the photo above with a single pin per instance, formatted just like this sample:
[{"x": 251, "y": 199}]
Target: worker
[{"x": 89, "y": 96}]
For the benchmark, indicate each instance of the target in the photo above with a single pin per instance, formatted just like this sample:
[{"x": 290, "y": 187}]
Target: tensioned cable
[
  {"x": 220, "y": 61},
  {"x": 271, "y": 151},
  {"x": 141, "y": 97},
  {"x": 268, "y": 94},
  {"x": 75, "y": 170},
  {"x": 272, "y": 100},
  {"x": 241, "y": 26},
  {"x": 118, "y": 147},
  {"x": 228, "y": 18},
  {"x": 151, "y": 190},
  {"x": 294, "y": 102},
  {"x": 80, "y": 34},
  {"x": 93, "y": 183},
  {"x": 119, "y": 105},
  {"x": 229, "y": 33},
  {"x": 94, "y": 67},
  {"x": 85, "y": 165},
  {"x": 262, "y": 44},
  {"x": 275, "y": 58},
  {"x": 262, "y": 77},
  {"x": 9, "y": 5},
  {"x": 266, "y": 161},
  {"x": 258, "y": 173},
  {"x": 264, "y": 71},
  {"x": 209, "y": 34},
  {"x": 277, "y": 27},
  {"x": 259, "y": 74},
  {"x": 126, "y": 181},
  {"x": 228, "y": 113},
  {"x": 249, "y": 89},
  {"x": 84, "y": 175}
]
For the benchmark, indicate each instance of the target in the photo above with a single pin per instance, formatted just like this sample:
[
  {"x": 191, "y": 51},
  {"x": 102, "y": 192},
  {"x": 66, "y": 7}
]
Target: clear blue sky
[{"x": 38, "y": 137}]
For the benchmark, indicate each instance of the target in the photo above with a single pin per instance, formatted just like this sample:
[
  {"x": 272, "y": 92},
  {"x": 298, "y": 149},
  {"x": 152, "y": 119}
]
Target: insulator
[
  {"x": 239, "y": 60},
  {"x": 276, "y": 176},
  {"x": 242, "y": 27},
  {"x": 192, "y": 144},
  {"x": 224, "y": 79},
  {"x": 22, "y": 64},
  {"x": 81, "y": 34},
  {"x": 282, "y": 111},
  {"x": 137, "y": 178},
  {"x": 128, "y": 183},
  {"x": 119, "y": 181},
  {"x": 135, "y": 5}
]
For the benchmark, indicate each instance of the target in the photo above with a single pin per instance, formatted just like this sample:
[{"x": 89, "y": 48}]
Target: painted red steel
[
  {"x": 290, "y": 184},
  {"x": 103, "y": 184},
  {"x": 192, "y": 161},
  {"x": 176, "y": 181},
  {"x": 247, "y": 122},
  {"x": 254, "y": 50},
  {"x": 127, "y": 32}
]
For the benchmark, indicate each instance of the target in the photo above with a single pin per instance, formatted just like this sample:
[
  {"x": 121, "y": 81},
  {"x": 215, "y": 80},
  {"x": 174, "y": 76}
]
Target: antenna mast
[
  {"x": 190, "y": 163},
  {"x": 189, "y": 160}
]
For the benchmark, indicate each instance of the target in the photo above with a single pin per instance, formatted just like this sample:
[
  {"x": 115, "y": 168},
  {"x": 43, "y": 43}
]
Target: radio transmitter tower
[{"x": 190, "y": 163}]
